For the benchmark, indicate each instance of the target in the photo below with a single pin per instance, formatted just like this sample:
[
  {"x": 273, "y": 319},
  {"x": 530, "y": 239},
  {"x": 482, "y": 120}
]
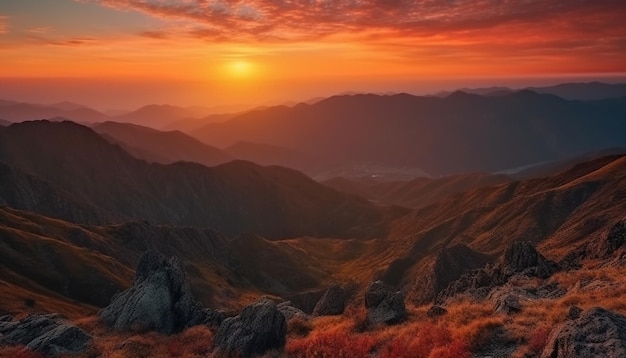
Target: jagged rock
[
  {"x": 332, "y": 303},
  {"x": 508, "y": 304},
  {"x": 436, "y": 311},
  {"x": 574, "y": 312},
  {"x": 596, "y": 333},
  {"x": 259, "y": 328},
  {"x": 519, "y": 262},
  {"x": 6, "y": 318},
  {"x": 291, "y": 312},
  {"x": 306, "y": 301},
  {"x": 46, "y": 334},
  {"x": 213, "y": 318},
  {"x": 522, "y": 257},
  {"x": 550, "y": 290},
  {"x": 159, "y": 300},
  {"x": 476, "y": 283},
  {"x": 615, "y": 239},
  {"x": 452, "y": 262},
  {"x": 384, "y": 305}
]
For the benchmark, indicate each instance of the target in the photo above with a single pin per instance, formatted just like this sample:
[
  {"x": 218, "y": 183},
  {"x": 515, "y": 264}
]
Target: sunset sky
[{"x": 125, "y": 53}]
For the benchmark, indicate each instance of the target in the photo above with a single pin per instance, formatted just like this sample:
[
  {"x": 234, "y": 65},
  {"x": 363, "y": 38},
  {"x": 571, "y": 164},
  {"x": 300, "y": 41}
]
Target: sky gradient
[{"x": 124, "y": 53}]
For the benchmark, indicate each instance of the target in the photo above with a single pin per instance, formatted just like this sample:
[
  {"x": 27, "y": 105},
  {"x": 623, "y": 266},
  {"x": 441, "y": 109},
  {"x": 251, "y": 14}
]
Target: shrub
[
  {"x": 429, "y": 340},
  {"x": 23, "y": 352},
  {"x": 335, "y": 344},
  {"x": 538, "y": 340},
  {"x": 299, "y": 327}
]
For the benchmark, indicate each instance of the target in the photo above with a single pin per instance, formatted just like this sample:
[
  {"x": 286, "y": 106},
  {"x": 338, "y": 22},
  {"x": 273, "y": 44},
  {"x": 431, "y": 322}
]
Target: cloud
[
  {"x": 301, "y": 19},
  {"x": 3, "y": 24}
]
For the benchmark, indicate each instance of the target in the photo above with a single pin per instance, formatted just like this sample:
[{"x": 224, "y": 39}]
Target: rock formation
[
  {"x": 332, "y": 303},
  {"x": 383, "y": 305},
  {"x": 47, "y": 334},
  {"x": 595, "y": 333},
  {"x": 259, "y": 328},
  {"x": 159, "y": 300}
]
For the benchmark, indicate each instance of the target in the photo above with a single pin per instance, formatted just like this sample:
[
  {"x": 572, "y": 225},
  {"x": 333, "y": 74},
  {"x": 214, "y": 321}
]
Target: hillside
[
  {"x": 235, "y": 197},
  {"x": 265, "y": 154},
  {"x": 161, "y": 147},
  {"x": 414, "y": 193},
  {"x": 455, "y": 134},
  {"x": 84, "y": 266}
]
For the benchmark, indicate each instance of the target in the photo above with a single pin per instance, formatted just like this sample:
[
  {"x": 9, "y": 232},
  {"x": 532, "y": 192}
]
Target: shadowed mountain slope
[
  {"x": 235, "y": 197},
  {"x": 414, "y": 193},
  {"x": 161, "y": 147}
]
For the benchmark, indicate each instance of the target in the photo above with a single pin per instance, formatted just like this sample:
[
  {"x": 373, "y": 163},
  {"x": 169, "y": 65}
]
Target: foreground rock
[
  {"x": 332, "y": 303},
  {"x": 596, "y": 333},
  {"x": 259, "y": 328},
  {"x": 383, "y": 305},
  {"x": 46, "y": 334},
  {"x": 159, "y": 300}
]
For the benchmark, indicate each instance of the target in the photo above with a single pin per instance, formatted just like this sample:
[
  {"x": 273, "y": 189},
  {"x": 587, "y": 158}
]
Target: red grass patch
[{"x": 332, "y": 344}]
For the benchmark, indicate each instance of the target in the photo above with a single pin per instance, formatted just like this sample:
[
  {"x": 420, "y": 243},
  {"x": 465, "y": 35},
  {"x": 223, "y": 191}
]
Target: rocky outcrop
[
  {"x": 606, "y": 248},
  {"x": 259, "y": 328},
  {"x": 46, "y": 334},
  {"x": 614, "y": 241},
  {"x": 332, "y": 303},
  {"x": 384, "y": 305},
  {"x": 452, "y": 262},
  {"x": 596, "y": 333},
  {"x": 159, "y": 300},
  {"x": 520, "y": 260}
]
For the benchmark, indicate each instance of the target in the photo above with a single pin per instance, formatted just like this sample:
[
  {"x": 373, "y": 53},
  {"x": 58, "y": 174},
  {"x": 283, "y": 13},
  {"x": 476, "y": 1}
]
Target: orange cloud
[
  {"x": 3, "y": 24},
  {"x": 305, "y": 19}
]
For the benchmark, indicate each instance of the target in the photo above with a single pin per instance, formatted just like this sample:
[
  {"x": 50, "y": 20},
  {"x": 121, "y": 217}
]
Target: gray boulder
[
  {"x": 595, "y": 333},
  {"x": 290, "y": 311},
  {"x": 46, "y": 334},
  {"x": 259, "y": 328},
  {"x": 159, "y": 300},
  {"x": 332, "y": 303},
  {"x": 383, "y": 305}
]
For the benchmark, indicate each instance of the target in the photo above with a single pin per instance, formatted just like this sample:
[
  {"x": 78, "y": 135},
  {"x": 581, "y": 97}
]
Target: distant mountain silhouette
[
  {"x": 156, "y": 116},
  {"x": 487, "y": 91},
  {"x": 161, "y": 147},
  {"x": 4, "y": 123},
  {"x": 459, "y": 133},
  {"x": 68, "y": 106},
  {"x": 266, "y": 154},
  {"x": 191, "y": 124},
  {"x": 17, "y": 112},
  {"x": 584, "y": 91},
  {"x": 235, "y": 197},
  {"x": 570, "y": 91}
]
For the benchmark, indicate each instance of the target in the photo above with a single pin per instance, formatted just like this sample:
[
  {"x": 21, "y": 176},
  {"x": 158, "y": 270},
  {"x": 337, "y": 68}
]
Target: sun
[{"x": 240, "y": 69}]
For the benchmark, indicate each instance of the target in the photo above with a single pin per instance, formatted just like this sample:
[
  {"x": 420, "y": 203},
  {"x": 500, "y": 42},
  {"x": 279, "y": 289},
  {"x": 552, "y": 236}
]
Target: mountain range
[
  {"x": 459, "y": 133},
  {"x": 107, "y": 185}
]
